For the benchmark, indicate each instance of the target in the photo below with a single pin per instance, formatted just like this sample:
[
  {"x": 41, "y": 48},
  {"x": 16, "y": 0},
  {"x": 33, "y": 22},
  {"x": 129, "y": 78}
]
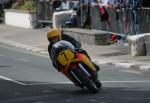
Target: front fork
[{"x": 88, "y": 73}]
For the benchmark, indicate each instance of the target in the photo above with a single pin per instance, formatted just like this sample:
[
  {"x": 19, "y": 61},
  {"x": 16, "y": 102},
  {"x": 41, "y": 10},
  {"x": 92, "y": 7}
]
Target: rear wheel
[{"x": 86, "y": 81}]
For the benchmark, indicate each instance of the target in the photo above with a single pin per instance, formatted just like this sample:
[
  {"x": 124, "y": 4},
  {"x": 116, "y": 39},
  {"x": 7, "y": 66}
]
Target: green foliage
[
  {"x": 16, "y": 5},
  {"x": 29, "y": 5},
  {"x": 26, "y": 5}
]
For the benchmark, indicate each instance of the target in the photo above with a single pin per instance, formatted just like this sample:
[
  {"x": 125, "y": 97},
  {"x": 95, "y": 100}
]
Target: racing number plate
[{"x": 65, "y": 57}]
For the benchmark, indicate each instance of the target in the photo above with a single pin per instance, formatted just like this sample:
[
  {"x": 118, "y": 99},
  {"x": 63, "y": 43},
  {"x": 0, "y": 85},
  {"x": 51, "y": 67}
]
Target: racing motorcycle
[{"x": 76, "y": 66}]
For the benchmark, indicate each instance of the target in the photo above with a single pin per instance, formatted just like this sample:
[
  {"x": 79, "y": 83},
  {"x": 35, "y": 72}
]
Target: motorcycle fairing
[{"x": 67, "y": 58}]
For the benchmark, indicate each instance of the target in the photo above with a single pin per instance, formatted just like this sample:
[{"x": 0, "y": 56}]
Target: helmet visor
[{"x": 54, "y": 39}]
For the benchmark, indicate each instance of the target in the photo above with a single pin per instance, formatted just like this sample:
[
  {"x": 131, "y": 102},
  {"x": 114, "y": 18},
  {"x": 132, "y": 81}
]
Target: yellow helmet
[{"x": 54, "y": 32}]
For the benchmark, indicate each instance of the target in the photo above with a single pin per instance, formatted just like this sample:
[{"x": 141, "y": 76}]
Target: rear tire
[{"x": 87, "y": 82}]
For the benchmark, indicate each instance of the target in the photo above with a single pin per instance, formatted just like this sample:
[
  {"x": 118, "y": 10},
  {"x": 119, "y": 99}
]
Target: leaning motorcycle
[{"x": 76, "y": 66}]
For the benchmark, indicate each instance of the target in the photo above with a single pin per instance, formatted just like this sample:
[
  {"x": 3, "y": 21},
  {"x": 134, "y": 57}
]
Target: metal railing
[
  {"x": 44, "y": 11},
  {"x": 136, "y": 23}
]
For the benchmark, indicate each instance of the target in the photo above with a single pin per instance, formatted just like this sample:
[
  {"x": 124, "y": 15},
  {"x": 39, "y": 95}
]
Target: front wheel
[
  {"x": 98, "y": 83},
  {"x": 86, "y": 81}
]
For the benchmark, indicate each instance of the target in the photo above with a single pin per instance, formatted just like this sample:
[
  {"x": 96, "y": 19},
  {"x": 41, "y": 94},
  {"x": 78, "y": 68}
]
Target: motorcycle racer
[{"x": 55, "y": 35}]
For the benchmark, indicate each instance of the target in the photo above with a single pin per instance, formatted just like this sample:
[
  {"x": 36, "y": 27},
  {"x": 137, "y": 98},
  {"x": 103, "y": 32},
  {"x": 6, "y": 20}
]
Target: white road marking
[
  {"x": 37, "y": 49},
  {"x": 21, "y": 59},
  {"x": 21, "y": 83},
  {"x": 49, "y": 83},
  {"x": 141, "y": 81},
  {"x": 144, "y": 81},
  {"x": 23, "y": 46},
  {"x": 11, "y": 80},
  {"x": 124, "y": 65},
  {"x": 131, "y": 71},
  {"x": 27, "y": 52},
  {"x": 44, "y": 52},
  {"x": 144, "y": 68}
]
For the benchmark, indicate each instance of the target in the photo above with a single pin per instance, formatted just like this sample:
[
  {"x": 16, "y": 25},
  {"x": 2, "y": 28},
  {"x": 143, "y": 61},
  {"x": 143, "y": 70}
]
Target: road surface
[{"x": 27, "y": 77}]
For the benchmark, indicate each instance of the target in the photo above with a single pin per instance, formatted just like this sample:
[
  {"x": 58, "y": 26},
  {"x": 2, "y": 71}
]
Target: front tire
[
  {"x": 98, "y": 83},
  {"x": 86, "y": 81}
]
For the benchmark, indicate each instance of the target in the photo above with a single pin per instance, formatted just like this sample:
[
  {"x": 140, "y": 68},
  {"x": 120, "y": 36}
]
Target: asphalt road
[{"x": 27, "y": 77}]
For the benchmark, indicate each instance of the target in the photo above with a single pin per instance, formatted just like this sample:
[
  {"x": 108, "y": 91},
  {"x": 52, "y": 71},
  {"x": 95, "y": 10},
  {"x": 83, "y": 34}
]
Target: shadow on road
[{"x": 62, "y": 93}]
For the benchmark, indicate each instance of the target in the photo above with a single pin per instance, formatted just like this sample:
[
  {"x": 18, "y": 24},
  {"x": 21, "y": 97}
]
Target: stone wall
[
  {"x": 140, "y": 44},
  {"x": 88, "y": 36}
]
